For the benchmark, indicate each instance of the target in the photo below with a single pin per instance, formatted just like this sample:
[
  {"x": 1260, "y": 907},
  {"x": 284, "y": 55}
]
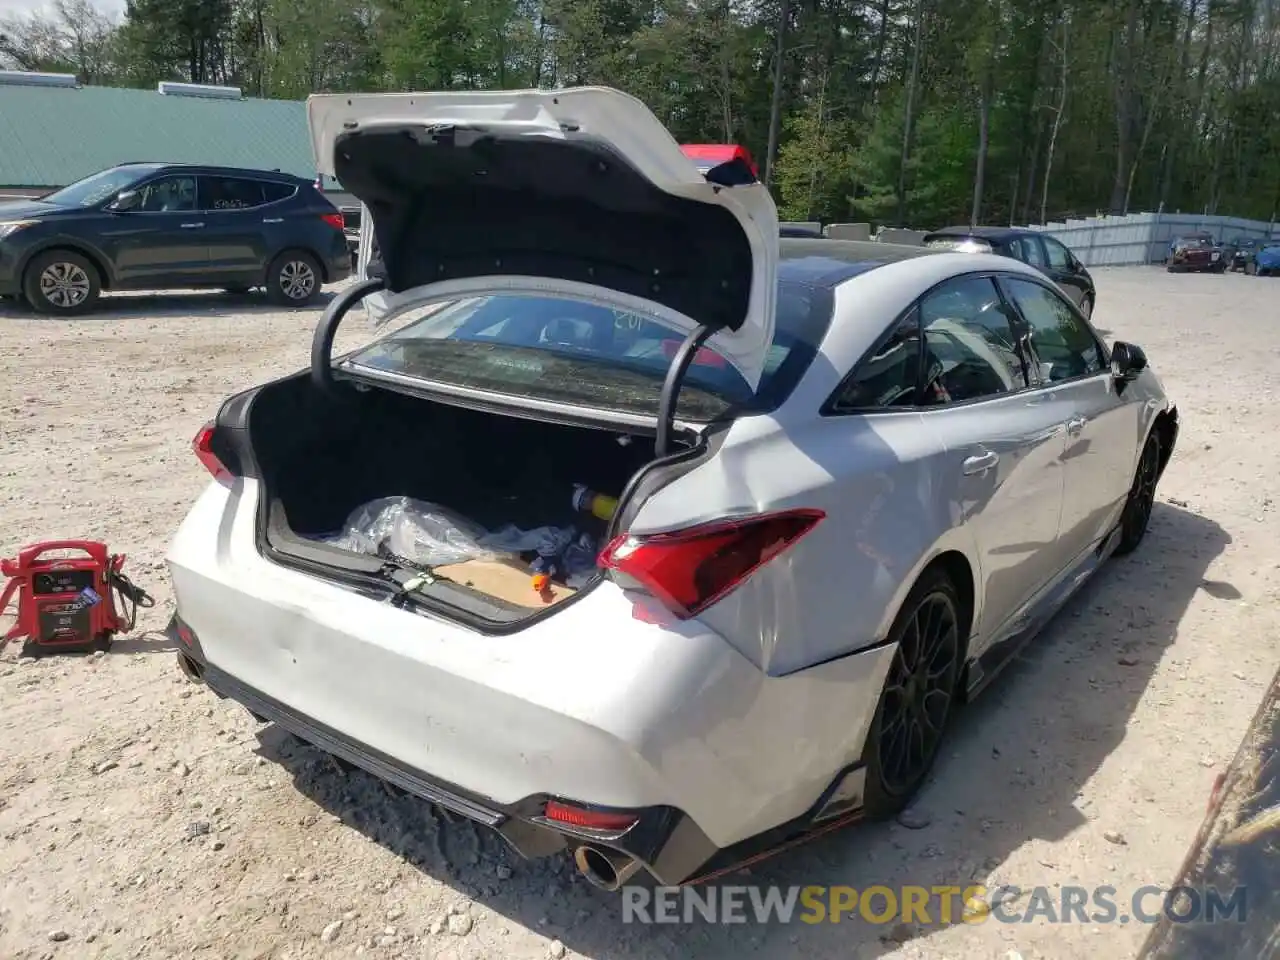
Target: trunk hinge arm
[
  {"x": 671, "y": 386},
  {"x": 327, "y": 328}
]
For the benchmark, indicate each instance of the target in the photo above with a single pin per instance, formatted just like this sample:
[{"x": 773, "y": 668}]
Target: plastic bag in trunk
[{"x": 429, "y": 535}]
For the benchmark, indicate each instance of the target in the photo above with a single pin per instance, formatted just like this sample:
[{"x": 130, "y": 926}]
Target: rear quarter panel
[{"x": 890, "y": 509}]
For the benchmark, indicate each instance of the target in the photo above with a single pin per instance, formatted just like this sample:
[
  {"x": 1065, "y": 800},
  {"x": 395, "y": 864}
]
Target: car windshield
[
  {"x": 577, "y": 353},
  {"x": 94, "y": 189},
  {"x": 959, "y": 244}
]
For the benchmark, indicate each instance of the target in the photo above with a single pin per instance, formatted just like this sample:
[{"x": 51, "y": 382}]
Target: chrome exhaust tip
[
  {"x": 190, "y": 668},
  {"x": 604, "y": 868}
]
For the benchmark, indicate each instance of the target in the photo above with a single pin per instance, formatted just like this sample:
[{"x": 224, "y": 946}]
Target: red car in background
[{"x": 1196, "y": 251}]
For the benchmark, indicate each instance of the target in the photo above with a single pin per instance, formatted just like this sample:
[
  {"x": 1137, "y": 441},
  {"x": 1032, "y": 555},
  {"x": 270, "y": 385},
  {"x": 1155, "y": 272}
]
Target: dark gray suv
[{"x": 150, "y": 226}]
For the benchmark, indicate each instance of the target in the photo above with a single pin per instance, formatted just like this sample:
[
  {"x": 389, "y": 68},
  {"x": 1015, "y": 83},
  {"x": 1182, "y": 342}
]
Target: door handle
[
  {"x": 1076, "y": 424},
  {"x": 273, "y": 220},
  {"x": 190, "y": 226},
  {"x": 981, "y": 463}
]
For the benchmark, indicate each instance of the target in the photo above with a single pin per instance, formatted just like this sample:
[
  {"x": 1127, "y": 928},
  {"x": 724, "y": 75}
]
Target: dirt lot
[{"x": 141, "y": 817}]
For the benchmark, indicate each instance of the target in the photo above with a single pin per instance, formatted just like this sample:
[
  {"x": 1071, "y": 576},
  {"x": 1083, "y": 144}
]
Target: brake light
[
  {"x": 335, "y": 220},
  {"x": 703, "y": 358},
  {"x": 572, "y": 816},
  {"x": 689, "y": 570},
  {"x": 202, "y": 445}
]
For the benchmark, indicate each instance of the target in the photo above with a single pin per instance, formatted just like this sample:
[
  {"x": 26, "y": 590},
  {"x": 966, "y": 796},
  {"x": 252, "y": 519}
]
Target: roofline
[{"x": 196, "y": 168}]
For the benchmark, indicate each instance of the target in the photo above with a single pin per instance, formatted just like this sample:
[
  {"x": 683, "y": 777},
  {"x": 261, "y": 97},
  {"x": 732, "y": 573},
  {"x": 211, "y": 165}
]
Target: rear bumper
[
  {"x": 602, "y": 704},
  {"x": 666, "y": 841}
]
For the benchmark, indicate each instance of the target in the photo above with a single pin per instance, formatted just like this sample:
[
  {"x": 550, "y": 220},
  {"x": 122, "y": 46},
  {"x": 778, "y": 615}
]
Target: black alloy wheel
[
  {"x": 1142, "y": 497},
  {"x": 919, "y": 694}
]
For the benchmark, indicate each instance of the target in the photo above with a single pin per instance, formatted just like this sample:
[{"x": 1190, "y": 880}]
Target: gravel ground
[{"x": 141, "y": 817}]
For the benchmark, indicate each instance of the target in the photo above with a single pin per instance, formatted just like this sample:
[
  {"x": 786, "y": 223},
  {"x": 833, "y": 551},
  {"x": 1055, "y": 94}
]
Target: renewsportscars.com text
[{"x": 930, "y": 905}]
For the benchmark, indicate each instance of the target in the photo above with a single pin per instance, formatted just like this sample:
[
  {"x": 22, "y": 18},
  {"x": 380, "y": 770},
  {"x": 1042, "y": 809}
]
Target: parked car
[
  {"x": 1266, "y": 259},
  {"x": 1043, "y": 252},
  {"x": 1232, "y": 867},
  {"x": 786, "y": 559},
  {"x": 794, "y": 230},
  {"x": 1241, "y": 253},
  {"x": 153, "y": 226},
  {"x": 1195, "y": 252}
]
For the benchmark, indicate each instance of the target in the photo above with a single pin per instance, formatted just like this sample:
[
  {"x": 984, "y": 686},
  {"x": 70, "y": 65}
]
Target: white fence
[
  {"x": 1144, "y": 237},
  {"x": 1106, "y": 241}
]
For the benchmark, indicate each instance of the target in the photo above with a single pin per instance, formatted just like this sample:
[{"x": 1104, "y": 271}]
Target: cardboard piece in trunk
[{"x": 508, "y": 580}]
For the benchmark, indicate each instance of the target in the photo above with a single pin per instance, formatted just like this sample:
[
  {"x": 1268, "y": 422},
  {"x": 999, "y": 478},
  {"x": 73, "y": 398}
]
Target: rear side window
[
  {"x": 1027, "y": 249},
  {"x": 957, "y": 345},
  {"x": 888, "y": 378},
  {"x": 230, "y": 193},
  {"x": 273, "y": 192},
  {"x": 1059, "y": 256},
  {"x": 970, "y": 348},
  {"x": 574, "y": 352}
]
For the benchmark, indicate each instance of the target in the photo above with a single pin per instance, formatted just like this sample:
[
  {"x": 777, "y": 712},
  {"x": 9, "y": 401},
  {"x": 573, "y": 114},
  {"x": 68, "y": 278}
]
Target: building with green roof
[{"x": 54, "y": 131}]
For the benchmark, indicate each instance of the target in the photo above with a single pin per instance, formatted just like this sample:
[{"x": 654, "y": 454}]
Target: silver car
[{"x": 658, "y": 539}]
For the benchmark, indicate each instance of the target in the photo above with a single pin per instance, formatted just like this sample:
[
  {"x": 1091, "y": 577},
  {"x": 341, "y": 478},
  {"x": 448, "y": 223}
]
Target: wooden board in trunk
[{"x": 508, "y": 580}]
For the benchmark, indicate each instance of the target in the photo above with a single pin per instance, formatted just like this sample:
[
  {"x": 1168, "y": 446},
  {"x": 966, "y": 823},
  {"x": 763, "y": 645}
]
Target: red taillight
[
  {"x": 703, "y": 358},
  {"x": 202, "y": 444},
  {"x": 335, "y": 220},
  {"x": 590, "y": 819},
  {"x": 689, "y": 570}
]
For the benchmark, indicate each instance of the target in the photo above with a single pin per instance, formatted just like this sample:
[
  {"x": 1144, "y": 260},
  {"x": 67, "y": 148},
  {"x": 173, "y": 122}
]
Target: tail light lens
[
  {"x": 689, "y": 570},
  {"x": 335, "y": 220},
  {"x": 202, "y": 445}
]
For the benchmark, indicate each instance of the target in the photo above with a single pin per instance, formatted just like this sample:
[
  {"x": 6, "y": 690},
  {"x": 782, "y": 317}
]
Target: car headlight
[
  {"x": 9, "y": 227},
  {"x": 1214, "y": 256}
]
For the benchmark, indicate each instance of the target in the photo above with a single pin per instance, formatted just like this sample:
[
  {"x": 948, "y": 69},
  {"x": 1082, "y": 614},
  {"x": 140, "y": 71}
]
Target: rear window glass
[
  {"x": 571, "y": 352},
  {"x": 959, "y": 244}
]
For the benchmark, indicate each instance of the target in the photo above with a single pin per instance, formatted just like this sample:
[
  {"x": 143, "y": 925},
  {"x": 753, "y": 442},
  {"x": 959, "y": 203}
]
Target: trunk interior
[{"x": 322, "y": 457}]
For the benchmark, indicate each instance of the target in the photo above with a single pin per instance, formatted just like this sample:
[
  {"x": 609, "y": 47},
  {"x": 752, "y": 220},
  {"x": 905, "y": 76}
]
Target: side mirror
[
  {"x": 125, "y": 201},
  {"x": 1127, "y": 360}
]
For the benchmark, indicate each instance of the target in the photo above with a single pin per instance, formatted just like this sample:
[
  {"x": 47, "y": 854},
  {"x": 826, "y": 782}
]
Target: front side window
[
  {"x": 1064, "y": 345},
  {"x": 971, "y": 351},
  {"x": 572, "y": 352},
  {"x": 168, "y": 195}
]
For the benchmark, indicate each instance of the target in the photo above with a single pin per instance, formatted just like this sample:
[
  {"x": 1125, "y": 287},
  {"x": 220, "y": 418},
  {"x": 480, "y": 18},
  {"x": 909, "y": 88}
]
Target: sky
[{"x": 10, "y": 7}]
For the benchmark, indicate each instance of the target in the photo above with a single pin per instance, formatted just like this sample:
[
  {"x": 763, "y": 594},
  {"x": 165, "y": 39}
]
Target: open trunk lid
[{"x": 578, "y": 193}]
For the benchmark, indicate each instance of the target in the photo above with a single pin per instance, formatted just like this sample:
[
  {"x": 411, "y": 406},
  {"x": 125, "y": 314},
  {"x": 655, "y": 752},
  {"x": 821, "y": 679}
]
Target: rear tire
[
  {"x": 916, "y": 703},
  {"x": 61, "y": 282},
  {"x": 293, "y": 279},
  {"x": 1136, "y": 516}
]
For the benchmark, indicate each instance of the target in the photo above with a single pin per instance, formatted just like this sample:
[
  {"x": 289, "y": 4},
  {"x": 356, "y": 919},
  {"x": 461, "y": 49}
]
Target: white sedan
[{"x": 656, "y": 539}]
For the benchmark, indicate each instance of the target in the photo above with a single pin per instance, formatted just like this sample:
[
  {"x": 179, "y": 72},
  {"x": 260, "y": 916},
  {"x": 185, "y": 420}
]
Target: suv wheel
[
  {"x": 293, "y": 279},
  {"x": 61, "y": 282}
]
